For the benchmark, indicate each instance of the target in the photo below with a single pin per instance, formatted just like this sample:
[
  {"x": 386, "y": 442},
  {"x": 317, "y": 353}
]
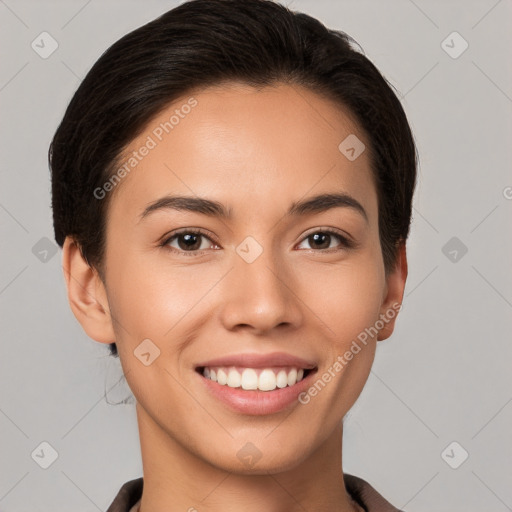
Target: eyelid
[
  {"x": 166, "y": 239},
  {"x": 197, "y": 231},
  {"x": 330, "y": 230},
  {"x": 347, "y": 241}
]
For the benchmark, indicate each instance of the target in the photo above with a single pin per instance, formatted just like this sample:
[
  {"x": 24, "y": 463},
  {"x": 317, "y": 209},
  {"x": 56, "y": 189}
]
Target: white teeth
[
  {"x": 292, "y": 377},
  {"x": 249, "y": 379},
  {"x": 265, "y": 379},
  {"x": 234, "y": 379},
  {"x": 222, "y": 378},
  {"x": 282, "y": 379}
]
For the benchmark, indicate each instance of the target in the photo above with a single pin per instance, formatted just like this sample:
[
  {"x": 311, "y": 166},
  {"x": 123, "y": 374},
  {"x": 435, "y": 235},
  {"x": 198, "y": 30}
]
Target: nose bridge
[
  {"x": 258, "y": 294},
  {"x": 260, "y": 267}
]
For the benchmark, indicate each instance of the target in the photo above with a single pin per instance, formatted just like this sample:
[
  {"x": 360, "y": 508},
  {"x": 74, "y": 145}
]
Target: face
[{"x": 267, "y": 295}]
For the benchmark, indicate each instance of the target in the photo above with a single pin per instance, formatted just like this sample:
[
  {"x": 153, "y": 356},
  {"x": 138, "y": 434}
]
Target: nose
[{"x": 260, "y": 295}]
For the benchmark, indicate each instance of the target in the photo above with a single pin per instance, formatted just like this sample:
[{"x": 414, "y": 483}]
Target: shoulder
[
  {"x": 366, "y": 495},
  {"x": 127, "y": 496}
]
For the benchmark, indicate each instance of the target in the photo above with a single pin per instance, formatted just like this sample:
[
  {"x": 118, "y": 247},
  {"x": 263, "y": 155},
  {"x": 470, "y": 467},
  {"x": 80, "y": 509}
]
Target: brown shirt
[{"x": 128, "y": 497}]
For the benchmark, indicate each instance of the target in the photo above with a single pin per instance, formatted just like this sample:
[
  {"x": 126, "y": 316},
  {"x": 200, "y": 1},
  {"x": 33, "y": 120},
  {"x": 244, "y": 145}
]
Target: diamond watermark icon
[
  {"x": 454, "y": 249},
  {"x": 249, "y": 455},
  {"x": 454, "y": 45},
  {"x": 44, "y": 45},
  {"x": 249, "y": 249},
  {"x": 454, "y": 455},
  {"x": 44, "y": 455},
  {"x": 351, "y": 147},
  {"x": 146, "y": 352},
  {"x": 44, "y": 249}
]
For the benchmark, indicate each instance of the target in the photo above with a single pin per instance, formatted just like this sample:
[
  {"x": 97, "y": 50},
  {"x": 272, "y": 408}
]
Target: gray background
[{"x": 444, "y": 375}]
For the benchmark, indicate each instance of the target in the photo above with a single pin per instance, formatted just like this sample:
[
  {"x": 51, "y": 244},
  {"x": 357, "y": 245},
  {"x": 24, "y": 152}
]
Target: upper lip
[{"x": 254, "y": 360}]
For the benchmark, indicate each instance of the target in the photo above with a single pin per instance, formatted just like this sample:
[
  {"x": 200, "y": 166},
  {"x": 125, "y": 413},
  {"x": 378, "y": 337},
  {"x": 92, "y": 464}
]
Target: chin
[{"x": 268, "y": 459}]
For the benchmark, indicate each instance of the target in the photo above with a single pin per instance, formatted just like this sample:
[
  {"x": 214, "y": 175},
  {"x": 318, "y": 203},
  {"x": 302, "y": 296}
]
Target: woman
[{"x": 232, "y": 187}]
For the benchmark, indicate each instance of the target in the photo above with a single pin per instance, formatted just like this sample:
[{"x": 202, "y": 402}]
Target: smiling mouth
[{"x": 256, "y": 379}]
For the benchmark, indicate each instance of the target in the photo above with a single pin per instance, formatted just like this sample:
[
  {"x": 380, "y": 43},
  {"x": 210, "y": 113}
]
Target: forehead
[{"x": 235, "y": 142}]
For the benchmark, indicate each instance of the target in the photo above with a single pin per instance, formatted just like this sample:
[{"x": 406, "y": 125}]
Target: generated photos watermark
[
  {"x": 343, "y": 359},
  {"x": 151, "y": 142}
]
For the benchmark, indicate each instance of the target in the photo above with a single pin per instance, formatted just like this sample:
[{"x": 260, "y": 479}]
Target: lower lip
[{"x": 255, "y": 402}]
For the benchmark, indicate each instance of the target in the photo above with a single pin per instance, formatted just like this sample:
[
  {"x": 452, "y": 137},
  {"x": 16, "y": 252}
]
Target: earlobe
[
  {"x": 86, "y": 294},
  {"x": 395, "y": 285}
]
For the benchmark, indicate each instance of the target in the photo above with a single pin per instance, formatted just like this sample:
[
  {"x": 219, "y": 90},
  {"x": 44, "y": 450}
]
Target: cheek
[
  {"x": 348, "y": 304},
  {"x": 151, "y": 299},
  {"x": 346, "y": 296}
]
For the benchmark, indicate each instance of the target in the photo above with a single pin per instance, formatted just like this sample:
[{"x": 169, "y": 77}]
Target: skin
[{"x": 255, "y": 151}]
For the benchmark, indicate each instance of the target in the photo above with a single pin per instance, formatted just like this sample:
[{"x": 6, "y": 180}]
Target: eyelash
[{"x": 344, "y": 241}]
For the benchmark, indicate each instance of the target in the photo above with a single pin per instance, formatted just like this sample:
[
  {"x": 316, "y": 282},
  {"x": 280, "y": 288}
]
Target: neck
[{"x": 175, "y": 479}]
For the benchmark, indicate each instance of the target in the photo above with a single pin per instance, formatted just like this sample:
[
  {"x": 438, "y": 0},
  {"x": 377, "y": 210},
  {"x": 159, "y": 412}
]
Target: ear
[
  {"x": 395, "y": 285},
  {"x": 86, "y": 294}
]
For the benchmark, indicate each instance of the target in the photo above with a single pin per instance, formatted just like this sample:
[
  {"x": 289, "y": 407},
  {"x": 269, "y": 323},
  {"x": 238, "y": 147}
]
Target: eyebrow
[{"x": 316, "y": 204}]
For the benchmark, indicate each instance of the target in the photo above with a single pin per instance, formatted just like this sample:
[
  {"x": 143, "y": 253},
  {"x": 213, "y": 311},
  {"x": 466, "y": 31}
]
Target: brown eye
[
  {"x": 321, "y": 240},
  {"x": 188, "y": 241}
]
